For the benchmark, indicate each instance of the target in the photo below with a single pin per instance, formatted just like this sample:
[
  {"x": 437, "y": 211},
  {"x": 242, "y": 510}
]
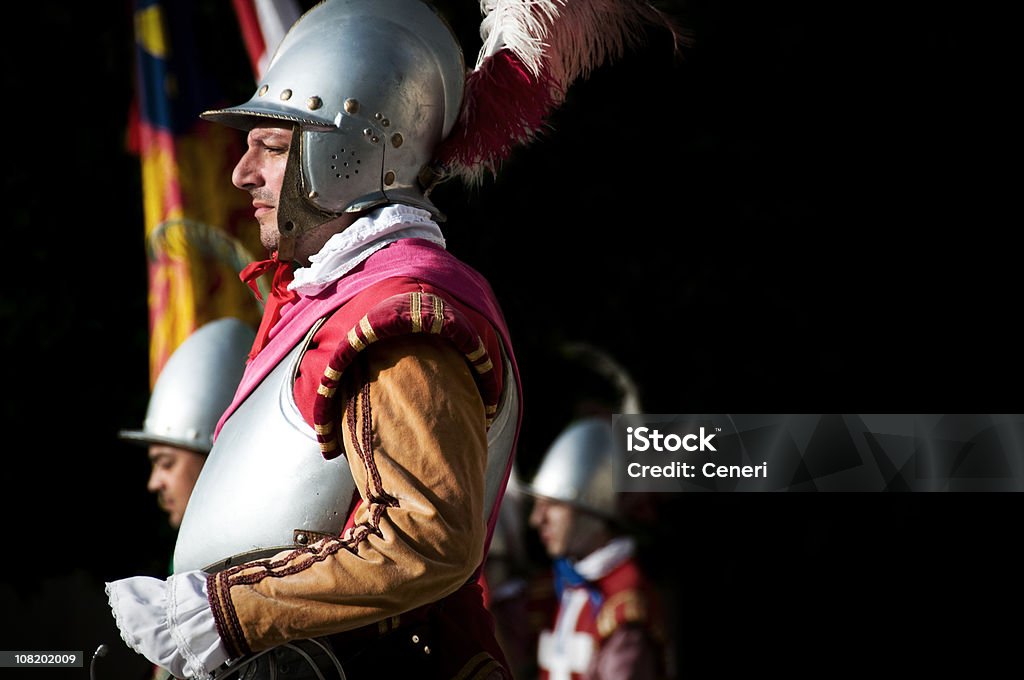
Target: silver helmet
[
  {"x": 196, "y": 386},
  {"x": 372, "y": 87},
  {"x": 577, "y": 468}
]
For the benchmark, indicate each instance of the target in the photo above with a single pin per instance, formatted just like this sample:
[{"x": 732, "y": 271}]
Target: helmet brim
[
  {"x": 247, "y": 116},
  {"x": 579, "y": 505},
  {"x": 147, "y": 438}
]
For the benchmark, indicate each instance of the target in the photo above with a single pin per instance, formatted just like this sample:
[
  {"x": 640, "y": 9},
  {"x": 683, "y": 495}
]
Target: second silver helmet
[
  {"x": 577, "y": 468},
  {"x": 196, "y": 386}
]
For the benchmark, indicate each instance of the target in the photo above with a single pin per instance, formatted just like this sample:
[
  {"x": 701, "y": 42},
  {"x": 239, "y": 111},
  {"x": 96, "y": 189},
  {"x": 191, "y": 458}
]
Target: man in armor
[
  {"x": 608, "y": 624},
  {"x": 340, "y": 522},
  {"x": 194, "y": 388}
]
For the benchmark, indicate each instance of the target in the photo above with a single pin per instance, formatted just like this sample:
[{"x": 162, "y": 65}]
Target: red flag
[{"x": 264, "y": 23}]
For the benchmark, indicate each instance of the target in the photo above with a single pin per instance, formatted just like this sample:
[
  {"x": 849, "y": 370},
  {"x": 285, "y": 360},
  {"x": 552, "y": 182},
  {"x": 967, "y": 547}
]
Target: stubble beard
[{"x": 269, "y": 235}]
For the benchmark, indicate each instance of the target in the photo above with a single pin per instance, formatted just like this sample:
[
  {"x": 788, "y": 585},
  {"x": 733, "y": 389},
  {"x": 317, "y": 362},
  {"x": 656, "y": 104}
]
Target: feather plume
[{"x": 532, "y": 53}]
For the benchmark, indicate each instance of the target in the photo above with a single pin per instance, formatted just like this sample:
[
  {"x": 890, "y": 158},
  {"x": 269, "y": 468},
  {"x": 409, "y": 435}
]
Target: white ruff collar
[
  {"x": 362, "y": 238},
  {"x": 602, "y": 561}
]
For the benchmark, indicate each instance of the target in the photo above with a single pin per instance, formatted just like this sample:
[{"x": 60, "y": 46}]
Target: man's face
[
  {"x": 174, "y": 474},
  {"x": 566, "y": 531},
  {"x": 260, "y": 171}
]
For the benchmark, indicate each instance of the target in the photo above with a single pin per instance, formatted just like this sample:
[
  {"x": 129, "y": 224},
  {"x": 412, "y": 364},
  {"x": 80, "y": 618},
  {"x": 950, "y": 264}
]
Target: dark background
[{"x": 806, "y": 210}]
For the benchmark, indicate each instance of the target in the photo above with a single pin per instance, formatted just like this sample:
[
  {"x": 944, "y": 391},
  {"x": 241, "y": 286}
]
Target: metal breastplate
[
  {"x": 501, "y": 437},
  {"x": 264, "y": 479}
]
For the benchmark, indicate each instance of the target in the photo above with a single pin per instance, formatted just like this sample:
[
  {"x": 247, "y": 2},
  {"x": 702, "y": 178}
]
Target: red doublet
[{"x": 626, "y": 625}]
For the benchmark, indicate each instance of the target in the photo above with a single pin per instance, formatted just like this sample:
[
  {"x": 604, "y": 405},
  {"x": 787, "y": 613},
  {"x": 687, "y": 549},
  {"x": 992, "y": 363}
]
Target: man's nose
[{"x": 246, "y": 173}]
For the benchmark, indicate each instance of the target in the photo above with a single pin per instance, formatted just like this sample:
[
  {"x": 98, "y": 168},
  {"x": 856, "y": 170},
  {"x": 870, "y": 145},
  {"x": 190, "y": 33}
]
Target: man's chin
[{"x": 269, "y": 236}]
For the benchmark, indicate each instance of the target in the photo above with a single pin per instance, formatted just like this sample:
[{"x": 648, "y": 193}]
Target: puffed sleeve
[{"x": 415, "y": 439}]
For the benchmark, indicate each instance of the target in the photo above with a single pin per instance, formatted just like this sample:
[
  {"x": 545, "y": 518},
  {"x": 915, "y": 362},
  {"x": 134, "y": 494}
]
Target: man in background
[
  {"x": 608, "y": 624},
  {"x": 194, "y": 388}
]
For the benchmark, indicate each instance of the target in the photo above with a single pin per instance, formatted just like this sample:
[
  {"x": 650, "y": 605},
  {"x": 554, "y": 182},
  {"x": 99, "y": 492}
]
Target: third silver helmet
[
  {"x": 577, "y": 468},
  {"x": 374, "y": 86},
  {"x": 196, "y": 386}
]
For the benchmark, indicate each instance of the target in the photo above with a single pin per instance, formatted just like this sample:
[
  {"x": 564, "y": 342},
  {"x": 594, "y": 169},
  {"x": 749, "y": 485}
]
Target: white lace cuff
[
  {"x": 169, "y": 622},
  {"x": 192, "y": 625}
]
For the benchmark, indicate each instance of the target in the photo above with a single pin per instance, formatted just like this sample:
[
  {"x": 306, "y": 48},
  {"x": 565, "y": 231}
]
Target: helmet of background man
[
  {"x": 577, "y": 468},
  {"x": 196, "y": 386},
  {"x": 373, "y": 86}
]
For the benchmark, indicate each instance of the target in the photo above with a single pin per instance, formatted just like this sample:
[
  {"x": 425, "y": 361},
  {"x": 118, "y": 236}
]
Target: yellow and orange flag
[{"x": 199, "y": 229}]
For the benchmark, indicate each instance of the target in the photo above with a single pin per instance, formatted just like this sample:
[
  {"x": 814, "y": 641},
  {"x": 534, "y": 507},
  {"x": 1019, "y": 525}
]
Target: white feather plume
[
  {"x": 566, "y": 38},
  {"x": 532, "y": 52}
]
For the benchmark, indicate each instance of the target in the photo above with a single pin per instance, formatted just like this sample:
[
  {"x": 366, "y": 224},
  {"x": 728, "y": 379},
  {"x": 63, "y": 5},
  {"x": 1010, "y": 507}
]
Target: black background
[{"x": 806, "y": 211}]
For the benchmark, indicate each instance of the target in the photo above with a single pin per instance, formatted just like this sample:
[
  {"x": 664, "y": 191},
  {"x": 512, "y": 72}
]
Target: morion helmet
[
  {"x": 577, "y": 468},
  {"x": 196, "y": 386},
  {"x": 371, "y": 87}
]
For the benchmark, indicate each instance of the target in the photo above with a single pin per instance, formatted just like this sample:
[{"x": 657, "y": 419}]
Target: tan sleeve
[{"x": 416, "y": 443}]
